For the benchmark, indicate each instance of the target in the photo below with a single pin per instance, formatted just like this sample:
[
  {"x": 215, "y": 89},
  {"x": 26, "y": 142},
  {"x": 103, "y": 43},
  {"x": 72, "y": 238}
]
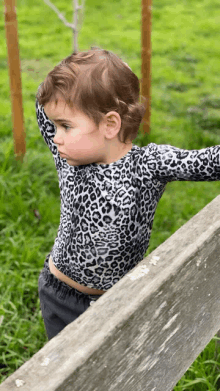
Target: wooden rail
[{"x": 145, "y": 332}]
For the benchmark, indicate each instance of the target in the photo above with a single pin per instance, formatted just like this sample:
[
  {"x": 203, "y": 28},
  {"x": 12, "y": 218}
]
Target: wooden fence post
[
  {"x": 146, "y": 61},
  {"x": 15, "y": 75},
  {"x": 15, "y": 79}
]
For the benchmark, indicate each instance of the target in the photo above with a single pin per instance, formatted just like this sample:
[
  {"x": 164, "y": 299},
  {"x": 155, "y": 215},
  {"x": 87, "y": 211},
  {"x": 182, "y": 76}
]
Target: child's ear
[{"x": 112, "y": 124}]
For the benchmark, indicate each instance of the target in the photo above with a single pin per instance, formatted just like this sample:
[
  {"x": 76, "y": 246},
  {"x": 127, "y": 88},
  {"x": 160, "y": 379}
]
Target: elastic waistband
[{"x": 60, "y": 286}]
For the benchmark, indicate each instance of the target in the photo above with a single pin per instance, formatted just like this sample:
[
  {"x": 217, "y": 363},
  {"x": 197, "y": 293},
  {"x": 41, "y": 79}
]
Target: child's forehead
[{"x": 59, "y": 109}]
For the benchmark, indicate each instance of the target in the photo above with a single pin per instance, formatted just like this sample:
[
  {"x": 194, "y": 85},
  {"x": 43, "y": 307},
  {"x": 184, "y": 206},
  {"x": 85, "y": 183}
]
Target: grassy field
[{"x": 185, "y": 113}]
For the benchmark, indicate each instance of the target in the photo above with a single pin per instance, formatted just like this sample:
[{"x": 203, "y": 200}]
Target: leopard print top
[{"x": 107, "y": 210}]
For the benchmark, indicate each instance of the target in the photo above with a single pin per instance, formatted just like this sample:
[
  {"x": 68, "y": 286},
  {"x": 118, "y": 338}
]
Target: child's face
[{"x": 82, "y": 141}]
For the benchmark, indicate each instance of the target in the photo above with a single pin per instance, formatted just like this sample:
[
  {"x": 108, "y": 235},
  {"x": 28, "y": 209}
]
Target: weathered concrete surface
[{"x": 144, "y": 333}]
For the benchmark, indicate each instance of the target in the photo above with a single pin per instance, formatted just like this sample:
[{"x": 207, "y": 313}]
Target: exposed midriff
[{"x": 73, "y": 284}]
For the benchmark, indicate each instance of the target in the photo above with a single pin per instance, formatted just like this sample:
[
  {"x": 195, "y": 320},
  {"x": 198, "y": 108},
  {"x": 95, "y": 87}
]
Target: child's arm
[
  {"x": 168, "y": 163},
  {"x": 46, "y": 127}
]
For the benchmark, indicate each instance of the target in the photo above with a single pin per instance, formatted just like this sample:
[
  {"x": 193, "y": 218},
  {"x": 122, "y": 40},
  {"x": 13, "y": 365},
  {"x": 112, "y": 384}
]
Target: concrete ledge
[{"x": 145, "y": 332}]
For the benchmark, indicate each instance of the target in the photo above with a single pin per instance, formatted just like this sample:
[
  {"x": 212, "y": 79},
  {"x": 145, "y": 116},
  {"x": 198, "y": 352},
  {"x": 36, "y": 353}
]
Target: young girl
[{"x": 88, "y": 112}]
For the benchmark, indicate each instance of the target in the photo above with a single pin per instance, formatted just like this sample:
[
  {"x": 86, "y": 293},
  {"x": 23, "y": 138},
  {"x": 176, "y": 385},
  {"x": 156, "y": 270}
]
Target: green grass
[{"x": 185, "y": 113}]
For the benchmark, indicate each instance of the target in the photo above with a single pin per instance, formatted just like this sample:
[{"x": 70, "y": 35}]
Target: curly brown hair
[{"x": 96, "y": 82}]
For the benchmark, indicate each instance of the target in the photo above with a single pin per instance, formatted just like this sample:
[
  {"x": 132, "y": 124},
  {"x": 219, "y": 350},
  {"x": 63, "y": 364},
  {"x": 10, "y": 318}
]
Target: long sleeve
[
  {"x": 46, "y": 127},
  {"x": 167, "y": 163}
]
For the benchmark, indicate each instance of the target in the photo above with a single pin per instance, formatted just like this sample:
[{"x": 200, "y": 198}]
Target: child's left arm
[{"x": 170, "y": 163}]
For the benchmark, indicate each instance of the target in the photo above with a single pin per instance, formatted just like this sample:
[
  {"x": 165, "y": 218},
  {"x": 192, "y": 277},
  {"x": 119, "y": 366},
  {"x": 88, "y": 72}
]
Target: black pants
[{"x": 60, "y": 304}]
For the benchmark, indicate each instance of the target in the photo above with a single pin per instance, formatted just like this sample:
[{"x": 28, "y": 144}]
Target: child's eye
[{"x": 66, "y": 126}]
